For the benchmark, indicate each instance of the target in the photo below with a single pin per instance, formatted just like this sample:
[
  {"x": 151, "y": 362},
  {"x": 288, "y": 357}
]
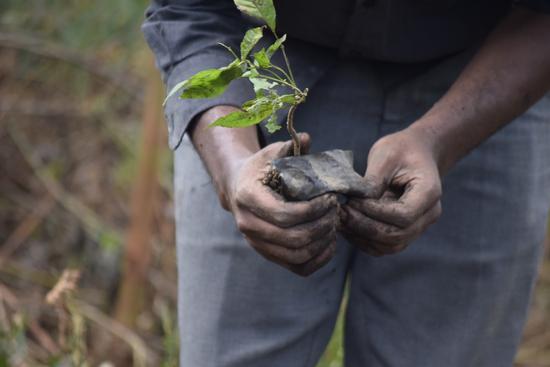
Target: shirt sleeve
[
  {"x": 184, "y": 36},
  {"x": 536, "y": 5}
]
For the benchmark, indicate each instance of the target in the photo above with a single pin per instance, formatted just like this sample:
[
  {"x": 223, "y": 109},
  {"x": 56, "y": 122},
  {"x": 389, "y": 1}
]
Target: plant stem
[
  {"x": 292, "y": 131},
  {"x": 275, "y": 75},
  {"x": 282, "y": 71},
  {"x": 286, "y": 58},
  {"x": 284, "y": 82},
  {"x": 287, "y": 64}
]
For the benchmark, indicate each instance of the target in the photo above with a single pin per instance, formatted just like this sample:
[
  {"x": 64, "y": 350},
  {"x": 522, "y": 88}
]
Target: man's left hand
[{"x": 404, "y": 199}]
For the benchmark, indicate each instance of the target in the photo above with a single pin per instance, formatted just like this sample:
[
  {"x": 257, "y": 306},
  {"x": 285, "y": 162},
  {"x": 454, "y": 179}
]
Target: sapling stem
[{"x": 290, "y": 127}]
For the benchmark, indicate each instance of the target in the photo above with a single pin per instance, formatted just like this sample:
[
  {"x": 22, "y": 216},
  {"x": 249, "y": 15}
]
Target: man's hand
[
  {"x": 301, "y": 236},
  {"x": 507, "y": 75},
  {"x": 404, "y": 200}
]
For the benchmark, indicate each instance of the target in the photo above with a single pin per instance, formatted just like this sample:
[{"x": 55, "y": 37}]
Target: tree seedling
[
  {"x": 266, "y": 77},
  {"x": 296, "y": 178}
]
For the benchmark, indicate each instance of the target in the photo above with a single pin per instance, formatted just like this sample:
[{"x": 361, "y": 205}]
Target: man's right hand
[{"x": 300, "y": 236}]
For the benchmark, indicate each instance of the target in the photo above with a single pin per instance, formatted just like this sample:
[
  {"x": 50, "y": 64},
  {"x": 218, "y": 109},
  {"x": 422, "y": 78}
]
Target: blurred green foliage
[{"x": 79, "y": 24}]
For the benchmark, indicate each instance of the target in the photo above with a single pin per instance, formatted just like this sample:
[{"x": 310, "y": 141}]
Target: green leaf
[
  {"x": 262, "y": 9},
  {"x": 251, "y": 73},
  {"x": 255, "y": 111},
  {"x": 251, "y": 38},
  {"x": 258, "y": 103},
  {"x": 208, "y": 83},
  {"x": 288, "y": 98},
  {"x": 276, "y": 45},
  {"x": 272, "y": 124},
  {"x": 174, "y": 90},
  {"x": 262, "y": 59},
  {"x": 242, "y": 118},
  {"x": 262, "y": 84}
]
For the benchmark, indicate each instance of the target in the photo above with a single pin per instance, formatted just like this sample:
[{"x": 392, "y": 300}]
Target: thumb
[
  {"x": 285, "y": 149},
  {"x": 377, "y": 177},
  {"x": 305, "y": 142}
]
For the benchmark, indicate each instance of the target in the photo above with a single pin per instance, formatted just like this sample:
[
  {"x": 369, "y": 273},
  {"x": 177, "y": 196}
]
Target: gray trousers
[{"x": 457, "y": 297}]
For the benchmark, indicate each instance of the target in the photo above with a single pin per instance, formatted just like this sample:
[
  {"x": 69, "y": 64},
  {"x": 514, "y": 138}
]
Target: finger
[
  {"x": 285, "y": 148},
  {"x": 384, "y": 249},
  {"x": 360, "y": 225},
  {"x": 386, "y": 234},
  {"x": 380, "y": 168},
  {"x": 418, "y": 198},
  {"x": 292, "y": 237},
  {"x": 362, "y": 245},
  {"x": 305, "y": 142},
  {"x": 273, "y": 209},
  {"x": 316, "y": 263},
  {"x": 310, "y": 266},
  {"x": 291, "y": 256}
]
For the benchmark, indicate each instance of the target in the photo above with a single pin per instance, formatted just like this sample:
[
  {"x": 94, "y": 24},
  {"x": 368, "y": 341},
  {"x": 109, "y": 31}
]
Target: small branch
[
  {"x": 287, "y": 64},
  {"x": 292, "y": 131},
  {"x": 282, "y": 71},
  {"x": 298, "y": 91},
  {"x": 275, "y": 75},
  {"x": 229, "y": 49}
]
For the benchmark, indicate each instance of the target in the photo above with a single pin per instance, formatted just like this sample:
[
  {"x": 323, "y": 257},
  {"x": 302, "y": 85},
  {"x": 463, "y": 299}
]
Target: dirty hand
[
  {"x": 300, "y": 236},
  {"x": 404, "y": 198}
]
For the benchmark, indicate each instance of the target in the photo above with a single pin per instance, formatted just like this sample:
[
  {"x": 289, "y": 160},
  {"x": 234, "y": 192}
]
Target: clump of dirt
[{"x": 304, "y": 177}]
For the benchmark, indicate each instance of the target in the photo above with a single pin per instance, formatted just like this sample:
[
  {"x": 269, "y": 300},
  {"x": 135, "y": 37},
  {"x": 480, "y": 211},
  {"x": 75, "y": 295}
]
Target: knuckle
[
  {"x": 406, "y": 218},
  {"x": 399, "y": 240},
  {"x": 298, "y": 239},
  {"x": 298, "y": 256},
  {"x": 303, "y": 211},
  {"x": 242, "y": 197},
  {"x": 281, "y": 219},
  {"x": 242, "y": 224},
  {"x": 435, "y": 191},
  {"x": 381, "y": 144}
]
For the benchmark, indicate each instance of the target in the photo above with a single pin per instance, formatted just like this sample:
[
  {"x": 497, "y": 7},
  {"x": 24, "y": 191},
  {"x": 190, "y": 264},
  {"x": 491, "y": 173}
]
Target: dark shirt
[{"x": 184, "y": 36}]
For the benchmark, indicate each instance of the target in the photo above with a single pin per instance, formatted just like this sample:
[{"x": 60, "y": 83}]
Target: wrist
[
  {"x": 223, "y": 150},
  {"x": 431, "y": 138}
]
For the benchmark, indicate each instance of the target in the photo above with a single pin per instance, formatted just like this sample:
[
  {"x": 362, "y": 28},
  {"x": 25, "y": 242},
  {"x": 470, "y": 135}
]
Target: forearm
[
  {"x": 222, "y": 150},
  {"x": 510, "y": 72}
]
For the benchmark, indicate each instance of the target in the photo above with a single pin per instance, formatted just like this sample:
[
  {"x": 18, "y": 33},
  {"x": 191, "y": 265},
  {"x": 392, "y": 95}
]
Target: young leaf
[
  {"x": 262, "y": 9},
  {"x": 208, "y": 83},
  {"x": 255, "y": 111},
  {"x": 262, "y": 84},
  {"x": 243, "y": 118},
  {"x": 250, "y": 40},
  {"x": 288, "y": 98},
  {"x": 272, "y": 124},
  {"x": 275, "y": 46},
  {"x": 251, "y": 73},
  {"x": 262, "y": 59},
  {"x": 174, "y": 90}
]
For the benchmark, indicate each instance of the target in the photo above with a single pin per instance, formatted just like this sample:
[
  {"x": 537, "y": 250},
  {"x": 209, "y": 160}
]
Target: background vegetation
[{"x": 87, "y": 269}]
